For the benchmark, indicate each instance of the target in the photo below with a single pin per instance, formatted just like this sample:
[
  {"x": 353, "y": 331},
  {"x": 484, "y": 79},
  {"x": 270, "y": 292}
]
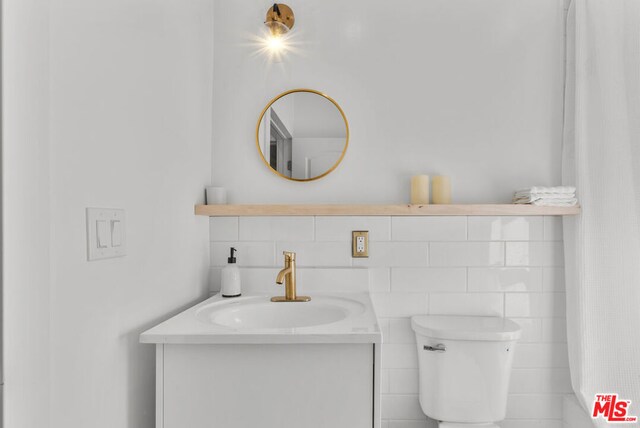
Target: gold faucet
[{"x": 288, "y": 276}]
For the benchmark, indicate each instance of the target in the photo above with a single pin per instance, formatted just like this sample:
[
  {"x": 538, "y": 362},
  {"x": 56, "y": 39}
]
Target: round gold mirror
[{"x": 302, "y": 135}]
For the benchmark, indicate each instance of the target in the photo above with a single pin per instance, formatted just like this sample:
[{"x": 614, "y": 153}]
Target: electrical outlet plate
[{"x": 360, "y": 243}]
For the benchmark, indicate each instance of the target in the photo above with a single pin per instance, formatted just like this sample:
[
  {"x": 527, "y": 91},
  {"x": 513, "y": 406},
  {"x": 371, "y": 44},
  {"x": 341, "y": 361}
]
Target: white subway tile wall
[
  {"x": 507, "y": 266},
  {"x": 276, "y": 228}
]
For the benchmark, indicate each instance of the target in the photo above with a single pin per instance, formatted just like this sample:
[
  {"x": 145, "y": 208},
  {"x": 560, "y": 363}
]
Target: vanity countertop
[{"x": 254, "y": 319}]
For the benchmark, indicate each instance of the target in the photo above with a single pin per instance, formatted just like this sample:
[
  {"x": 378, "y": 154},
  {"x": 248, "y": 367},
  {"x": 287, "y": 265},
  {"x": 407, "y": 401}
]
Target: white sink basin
[
  {"x": 254, "y": 319},
  {"x": 260, "y": 313}
]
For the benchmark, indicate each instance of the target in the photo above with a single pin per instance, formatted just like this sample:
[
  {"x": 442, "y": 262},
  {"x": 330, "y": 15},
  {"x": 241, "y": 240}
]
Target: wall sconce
[
  {"x": 279, "y": 20},
  {"x": 276, "y": 41}
]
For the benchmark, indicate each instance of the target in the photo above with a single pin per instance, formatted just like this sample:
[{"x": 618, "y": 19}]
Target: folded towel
[
  {"x": 534, "y": 196},
  {"x": 555, "y": 203},
  {"x": 551, "y": 202},
  {"x": 559, "y": 196},
  {"x": 557, "y": 190}
]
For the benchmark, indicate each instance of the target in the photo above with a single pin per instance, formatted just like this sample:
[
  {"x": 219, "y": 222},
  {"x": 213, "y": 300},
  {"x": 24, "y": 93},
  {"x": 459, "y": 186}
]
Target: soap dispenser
[{"x": 230, "y": 277}]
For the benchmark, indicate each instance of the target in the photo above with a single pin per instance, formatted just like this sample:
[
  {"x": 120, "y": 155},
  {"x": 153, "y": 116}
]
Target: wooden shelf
[{"x": 382, "y": 210}]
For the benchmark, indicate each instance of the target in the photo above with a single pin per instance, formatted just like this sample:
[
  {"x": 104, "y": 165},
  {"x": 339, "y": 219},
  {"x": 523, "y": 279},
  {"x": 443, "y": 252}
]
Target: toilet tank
[{"x": 464, "y": 366}]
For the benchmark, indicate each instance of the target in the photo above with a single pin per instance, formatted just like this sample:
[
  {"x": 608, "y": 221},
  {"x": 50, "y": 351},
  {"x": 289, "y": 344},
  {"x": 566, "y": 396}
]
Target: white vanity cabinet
[
  {"x": 316, "y": 365},
  {"x": 265, "y": 386}
]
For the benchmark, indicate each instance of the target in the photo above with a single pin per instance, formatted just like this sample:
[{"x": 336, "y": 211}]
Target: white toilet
[{"x": 464, "y": 366}]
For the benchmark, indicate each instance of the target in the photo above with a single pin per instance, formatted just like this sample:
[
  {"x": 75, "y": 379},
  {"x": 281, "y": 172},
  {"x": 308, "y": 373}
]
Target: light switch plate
[
  {"x": 360, "y": 243},
  {"x": 106, "y": 237}
]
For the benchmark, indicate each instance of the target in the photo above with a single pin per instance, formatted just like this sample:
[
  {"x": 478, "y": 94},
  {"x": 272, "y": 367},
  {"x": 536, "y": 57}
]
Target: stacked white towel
[{"x": 559, "y": 196}]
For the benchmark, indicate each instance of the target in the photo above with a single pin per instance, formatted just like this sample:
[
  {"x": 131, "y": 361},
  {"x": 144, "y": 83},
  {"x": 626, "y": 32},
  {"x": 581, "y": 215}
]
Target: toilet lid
[{"x": 465, "y": 327}]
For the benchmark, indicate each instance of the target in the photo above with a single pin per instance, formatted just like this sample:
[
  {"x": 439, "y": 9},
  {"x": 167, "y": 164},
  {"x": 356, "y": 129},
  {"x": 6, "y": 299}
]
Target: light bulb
[{"x": 275, "y": 43}]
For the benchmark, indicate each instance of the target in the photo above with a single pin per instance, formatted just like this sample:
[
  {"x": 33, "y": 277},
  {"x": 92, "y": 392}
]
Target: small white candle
[
  {"x": 216, "y": 195},
  {"x": 441, "y": 190},
  {"x": 420, "y": 189}
]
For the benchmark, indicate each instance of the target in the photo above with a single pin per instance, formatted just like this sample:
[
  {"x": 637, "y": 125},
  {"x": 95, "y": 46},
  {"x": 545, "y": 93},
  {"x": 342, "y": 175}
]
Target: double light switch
[
  {"x": 109, "y": 233},
  {"x": 105, "y": 233}
]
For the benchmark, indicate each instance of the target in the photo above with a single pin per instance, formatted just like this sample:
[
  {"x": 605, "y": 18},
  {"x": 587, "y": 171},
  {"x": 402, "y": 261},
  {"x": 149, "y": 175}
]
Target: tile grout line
[
  {"x": 467, "y": 277},
  {"x": 315, "y": 225},
  {"x": 467, "y": 228}
]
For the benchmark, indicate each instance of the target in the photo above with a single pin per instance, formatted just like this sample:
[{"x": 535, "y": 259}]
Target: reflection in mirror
[{"x": 302, "y": 135}]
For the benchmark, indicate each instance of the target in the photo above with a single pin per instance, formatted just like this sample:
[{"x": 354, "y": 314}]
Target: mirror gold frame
[{"x": 346, "y": 124}]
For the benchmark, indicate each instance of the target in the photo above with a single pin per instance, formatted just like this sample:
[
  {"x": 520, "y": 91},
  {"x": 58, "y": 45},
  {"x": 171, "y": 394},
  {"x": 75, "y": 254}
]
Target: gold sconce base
[{"x": 280, "y": 19}]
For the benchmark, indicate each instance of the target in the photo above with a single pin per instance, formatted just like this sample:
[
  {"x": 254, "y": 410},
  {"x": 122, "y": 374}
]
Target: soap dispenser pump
[{"x": 230, "y": 286}]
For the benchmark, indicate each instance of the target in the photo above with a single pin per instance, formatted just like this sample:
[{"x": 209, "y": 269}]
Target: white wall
[
  {"x": 472, "y": 90},
  {"x": 468, "y": 89},
  {"x": 506, "y": 266},
  {"x": 131, "y": 95},
  {"x": 25, "y": 201}
]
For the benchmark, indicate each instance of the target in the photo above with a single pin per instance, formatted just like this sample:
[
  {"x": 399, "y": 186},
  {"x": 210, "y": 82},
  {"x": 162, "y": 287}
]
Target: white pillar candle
[
  {"x": 420, "y": 189},
  {"x": 441, "y": 190}
]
